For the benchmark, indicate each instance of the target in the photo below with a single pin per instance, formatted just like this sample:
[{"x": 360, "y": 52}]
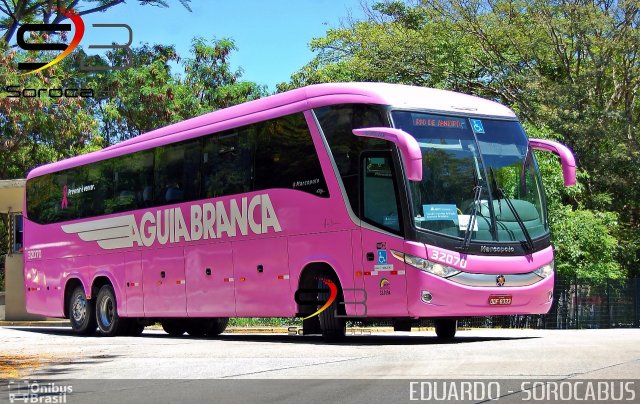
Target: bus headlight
[
  {"x": 422, "y": 264},
  {"x": 545, "y": 270}
]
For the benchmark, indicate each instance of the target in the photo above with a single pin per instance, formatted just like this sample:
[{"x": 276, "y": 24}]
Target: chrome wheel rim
[
  {"x": 107, "y": 311},
  {"x": 79, "y": 308}
]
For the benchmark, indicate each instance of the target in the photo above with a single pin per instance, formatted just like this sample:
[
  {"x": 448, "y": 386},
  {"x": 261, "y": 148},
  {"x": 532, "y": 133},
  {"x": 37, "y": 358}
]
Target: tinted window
[
  {"x": 97, "y": 188},
  {"x": 337, "y": 123},
  {"x": 227, "y": 162},
  {"x": 286, "y": 157},
  {"x": 177, "y": 172},
  {"x": 132, "y": 182},
  {"x": 380, "y": 197},
  {"x": 274, "y": 154}
]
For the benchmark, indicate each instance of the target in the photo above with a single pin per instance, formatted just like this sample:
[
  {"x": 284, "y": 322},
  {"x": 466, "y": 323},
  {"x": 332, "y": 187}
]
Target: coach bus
[{"x": 332, "y": 202}]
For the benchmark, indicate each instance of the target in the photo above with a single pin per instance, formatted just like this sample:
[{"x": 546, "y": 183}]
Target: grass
[{"x": 265, "y": 322}]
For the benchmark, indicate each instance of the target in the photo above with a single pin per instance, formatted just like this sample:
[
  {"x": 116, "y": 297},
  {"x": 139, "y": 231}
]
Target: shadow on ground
[{"x": 349, "y": 340}]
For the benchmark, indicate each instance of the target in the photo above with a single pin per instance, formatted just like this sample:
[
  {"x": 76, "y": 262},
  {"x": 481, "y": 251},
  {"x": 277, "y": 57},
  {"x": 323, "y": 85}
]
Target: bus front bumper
[{"x": 433, "y": 296}]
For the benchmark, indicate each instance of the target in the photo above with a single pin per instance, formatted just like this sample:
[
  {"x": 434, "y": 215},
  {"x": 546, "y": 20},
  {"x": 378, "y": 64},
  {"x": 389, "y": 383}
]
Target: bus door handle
[
  {"x": 370, "y": 256},
  {"x": 260, "y": 268},
  {"x": 207, "y": 271},
  {"x": 162, "y": 274}
]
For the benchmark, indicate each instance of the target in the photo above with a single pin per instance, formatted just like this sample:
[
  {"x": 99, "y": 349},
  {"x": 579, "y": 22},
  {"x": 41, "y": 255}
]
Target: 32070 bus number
[
  {"x": 34, "y": 254},
  {"x": 448, "y": 258}
]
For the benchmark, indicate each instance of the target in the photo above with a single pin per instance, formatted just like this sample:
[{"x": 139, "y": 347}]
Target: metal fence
[{"x": 578, "y": 304}]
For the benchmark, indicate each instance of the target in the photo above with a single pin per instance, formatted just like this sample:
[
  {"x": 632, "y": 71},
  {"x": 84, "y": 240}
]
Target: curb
[{"x": 35, "y": 323}]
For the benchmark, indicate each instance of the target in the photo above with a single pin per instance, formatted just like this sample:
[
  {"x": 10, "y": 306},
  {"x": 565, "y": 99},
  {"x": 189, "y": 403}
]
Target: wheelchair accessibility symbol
[
  {"x": 476, "y": 124},
  {"x": 382, "y": 257}
]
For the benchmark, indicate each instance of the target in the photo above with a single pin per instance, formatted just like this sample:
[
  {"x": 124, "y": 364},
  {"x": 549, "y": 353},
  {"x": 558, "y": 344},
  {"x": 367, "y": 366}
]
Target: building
[{"x": 11, "y": 205}]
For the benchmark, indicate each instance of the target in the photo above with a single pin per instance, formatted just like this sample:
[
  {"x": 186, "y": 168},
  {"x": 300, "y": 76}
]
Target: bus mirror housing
[
  {"x": 407, "y": 144},
  {"x": 567, "y": 159}
]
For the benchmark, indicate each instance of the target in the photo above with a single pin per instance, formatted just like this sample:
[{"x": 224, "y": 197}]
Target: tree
[
  {"x": 38, "y": 128},
  {"x": 208, "y": 74},
  {"x": 149, "y": 95}
]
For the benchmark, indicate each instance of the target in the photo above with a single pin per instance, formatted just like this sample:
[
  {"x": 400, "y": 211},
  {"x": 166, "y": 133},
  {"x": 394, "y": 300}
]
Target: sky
[{"x": 272, "y": 37}]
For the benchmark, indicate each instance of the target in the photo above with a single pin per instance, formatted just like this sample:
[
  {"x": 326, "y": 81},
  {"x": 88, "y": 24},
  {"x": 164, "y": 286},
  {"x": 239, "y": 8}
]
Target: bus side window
[
  {"x": 177, "y": 172},
  {"x": 379, "y": 193},
  {"x": 286, "y": 157},
  {"x": 227, "y": 163}
]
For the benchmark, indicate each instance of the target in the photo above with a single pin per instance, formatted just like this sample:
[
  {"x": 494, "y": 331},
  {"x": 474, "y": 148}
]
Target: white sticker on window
[{"x": 463, "y": 222}]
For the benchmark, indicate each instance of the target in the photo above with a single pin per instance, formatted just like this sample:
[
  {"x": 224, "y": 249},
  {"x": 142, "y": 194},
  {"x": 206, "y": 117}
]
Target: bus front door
[{"x": 383, "y": 275}]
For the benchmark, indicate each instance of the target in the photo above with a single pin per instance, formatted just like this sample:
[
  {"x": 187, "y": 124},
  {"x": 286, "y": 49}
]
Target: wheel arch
[
  {"x": 71, "y": 283},
  {"x": 308, "y": 280}
]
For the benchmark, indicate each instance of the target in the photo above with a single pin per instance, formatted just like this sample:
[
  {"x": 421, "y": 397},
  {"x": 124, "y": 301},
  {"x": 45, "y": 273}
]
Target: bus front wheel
[
  {"x": 445, "y": 327},
  {"x": 333, "y": 327},
  {"x": 82, "y": 313}
]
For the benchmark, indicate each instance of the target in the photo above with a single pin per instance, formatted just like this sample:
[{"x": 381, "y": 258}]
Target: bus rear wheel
[
  {"x": 82, "y": 313},
  {"x": 109, "y": 322},
  {"x": 134, "y": 328},
  {"x": 175, "y": 328},
  {"x": 218, "y": 326},
  {"x": 446, "y": 327}
]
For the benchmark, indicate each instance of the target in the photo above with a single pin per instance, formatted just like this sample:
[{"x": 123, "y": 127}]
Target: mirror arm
[
  {"x": 408, "y": 145},
  {"x": 566, "y": 158}
]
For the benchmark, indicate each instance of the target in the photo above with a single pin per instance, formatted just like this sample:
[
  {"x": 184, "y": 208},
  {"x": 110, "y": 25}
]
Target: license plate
[{"x": 500, "y": 300}]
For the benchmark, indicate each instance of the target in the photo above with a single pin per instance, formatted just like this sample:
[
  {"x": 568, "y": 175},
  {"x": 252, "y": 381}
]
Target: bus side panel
[
  {"x": 163, "y": 282},
  {"x": 333, "y": 249},
  {"x": 133, "y": 284},
  {"x": 262, "y": 278},
  {"x": 45, "y": 286},
  {"x": 210, "y": 281}
]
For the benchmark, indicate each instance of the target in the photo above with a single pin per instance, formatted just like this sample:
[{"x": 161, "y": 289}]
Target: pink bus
[{"x": 334, "y": 202}]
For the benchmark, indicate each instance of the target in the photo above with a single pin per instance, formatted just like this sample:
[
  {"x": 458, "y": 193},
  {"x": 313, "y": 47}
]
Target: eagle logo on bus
[
  {"x": 206, "y": 221},
  {"x": 501, "y": 280}
]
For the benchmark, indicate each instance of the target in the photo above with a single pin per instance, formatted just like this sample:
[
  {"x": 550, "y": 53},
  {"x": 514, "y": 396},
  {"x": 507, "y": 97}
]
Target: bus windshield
[{"x": 480, "y": 179}]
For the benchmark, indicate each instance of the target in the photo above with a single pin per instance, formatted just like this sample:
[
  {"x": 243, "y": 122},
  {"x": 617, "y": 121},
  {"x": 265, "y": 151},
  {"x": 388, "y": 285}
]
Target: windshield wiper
[
  {"x": 502, "y": 195},
  {"x": 472, "y": 219}
]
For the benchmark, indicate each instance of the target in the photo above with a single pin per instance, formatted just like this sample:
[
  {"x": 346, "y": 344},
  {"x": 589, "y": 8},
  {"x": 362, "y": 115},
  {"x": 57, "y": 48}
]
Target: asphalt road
[{"x": 474, "y": 354}]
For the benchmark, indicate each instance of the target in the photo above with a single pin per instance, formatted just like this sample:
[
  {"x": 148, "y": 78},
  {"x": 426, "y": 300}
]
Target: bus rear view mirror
[
  {"x": 567, "y": 159},
  {"x": 408, "y": 145}
]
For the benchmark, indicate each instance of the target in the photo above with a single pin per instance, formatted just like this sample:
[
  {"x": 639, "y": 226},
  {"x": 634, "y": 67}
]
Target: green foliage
[
  {"x": 149, "y": 95},
  {"x": 38, "y": 130},
  {"x": 265, "y": 322},
  {"x": 584, "y": 244}
]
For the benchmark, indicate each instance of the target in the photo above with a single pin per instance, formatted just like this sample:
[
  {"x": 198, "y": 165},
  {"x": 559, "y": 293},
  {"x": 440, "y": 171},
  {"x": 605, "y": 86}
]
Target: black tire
[
  {"x": 218, "y": 326},
  {"x": 446, "y": 327},
  {"x": 311, "y": 326},
  {"x": 175, "y": 328},
  {"x": 134, "y": 328},
  {"x": 199, "y": 327},
  {"x": 82, "y": 313},
  {"x": 109, "y": 322},
  {"x": 333, "y": 328}
]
